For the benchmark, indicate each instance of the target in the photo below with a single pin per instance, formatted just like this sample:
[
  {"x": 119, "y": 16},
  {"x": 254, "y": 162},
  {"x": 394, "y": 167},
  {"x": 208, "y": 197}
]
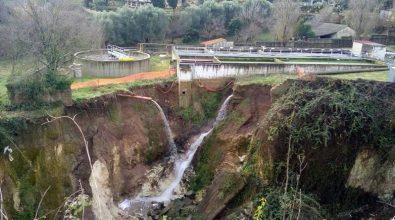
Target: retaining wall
[
  {"x": 111, "y": 68},
  {"x": 188, "y": 72}
]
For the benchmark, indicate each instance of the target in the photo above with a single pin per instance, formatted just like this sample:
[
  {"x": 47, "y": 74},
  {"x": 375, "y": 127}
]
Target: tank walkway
[{"x": 125, "y": 79}]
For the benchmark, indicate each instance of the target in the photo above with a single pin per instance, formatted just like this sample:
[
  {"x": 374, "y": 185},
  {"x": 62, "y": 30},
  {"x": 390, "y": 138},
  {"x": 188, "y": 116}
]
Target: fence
[{"x": 311, "y": 43}]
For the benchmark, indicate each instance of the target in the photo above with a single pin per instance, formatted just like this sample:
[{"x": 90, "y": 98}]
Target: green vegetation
[
  {"x": 272, "y": 79},
  {"x": 321, "y": 117},
  {"x": 378, "y": 76},
  {"x": 208, "y": 159},
  {"x": 335, "y": 117},
  {"x": 144, "y": 24},
  {"x": 158, "y": 63},
  {"x": 303, "y": 30},
  {"x": 265, "y": 36},
  {"x": 5, "y": 71},
  {"x": 205, "y": 21},
  {"x": 209, "y": 102},
  {"x": 272, "y": 203},
  {"x": 87, "y": 93},
  {"x": 328, "y": 120},
  {"x": 275, "y": 79}
]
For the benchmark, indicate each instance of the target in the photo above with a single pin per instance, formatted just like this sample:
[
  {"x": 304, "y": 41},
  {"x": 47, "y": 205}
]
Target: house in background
[
  {"x": 331, "y": 30},
  {"x": 364, "y": 48}
]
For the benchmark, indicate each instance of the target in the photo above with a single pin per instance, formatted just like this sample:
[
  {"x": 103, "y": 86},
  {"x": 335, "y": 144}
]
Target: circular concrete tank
[{"x": 98, "y": 63}]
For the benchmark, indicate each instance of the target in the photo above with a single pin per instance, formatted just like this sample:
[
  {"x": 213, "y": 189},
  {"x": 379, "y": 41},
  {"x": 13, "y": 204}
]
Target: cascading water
[
  {"x": 181, "y": 164},
  {"x": 173, "y": 147},
  {"x": 169, "y": 133}
]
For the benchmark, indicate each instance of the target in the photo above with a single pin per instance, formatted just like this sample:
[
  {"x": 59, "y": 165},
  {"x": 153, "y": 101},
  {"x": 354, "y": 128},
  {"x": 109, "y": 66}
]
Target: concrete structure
[
  {"x": 199, "y": 63},
  {"x": 196, "y": 71},
  {"x": 137, "y": 3},
  {"x": 217, "y": 43},
  {"x": 331, "y": 30},
  {"x": 369, "y": 49},
  {"x": 97, "y": 63},
  {"x": 391, "y": 77}
]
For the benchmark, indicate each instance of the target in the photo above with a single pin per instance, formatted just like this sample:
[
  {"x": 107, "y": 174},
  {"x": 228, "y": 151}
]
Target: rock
[
  {"x": 372, "y": 174},
  {"x": 190, "y": 194},
  {"x": 102, "y": 202},
  {"x": 242, "y": 158}
]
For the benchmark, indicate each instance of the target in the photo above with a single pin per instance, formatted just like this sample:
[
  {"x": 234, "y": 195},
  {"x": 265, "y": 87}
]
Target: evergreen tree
[
  {"x": 172, "y": 3},
  {"x": 159, "y": 3}
]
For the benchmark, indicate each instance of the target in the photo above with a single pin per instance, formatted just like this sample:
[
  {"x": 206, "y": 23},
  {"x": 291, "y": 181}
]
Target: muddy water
[
  {"x": 169, "y": 133},
  {"x": 181, "y": 164}
]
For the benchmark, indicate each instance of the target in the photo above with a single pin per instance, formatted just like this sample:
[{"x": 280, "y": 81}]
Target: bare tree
[
  {"x": 285, "y": 15},
  {"x": 214, "y": 27},
  {"x": 254, "y": 16},
  {"x": 324, "y": 15},
  {"x": 3, "y": 11},
  {"x": 362, "y": 16},
  {"x": 49, "y": 30}
]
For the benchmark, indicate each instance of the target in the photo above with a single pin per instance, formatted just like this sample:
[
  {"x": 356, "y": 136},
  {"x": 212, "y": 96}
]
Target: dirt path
[{"x": 125, "y": 79}]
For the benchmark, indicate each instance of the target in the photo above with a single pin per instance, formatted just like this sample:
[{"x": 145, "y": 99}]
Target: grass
[
  {"x": 158, "y": 64},
  {"x": 274, "y": 79},
  {"x": 377, "y": 76},
  {"x": 5, "y": 71},
  {"x": 87, "y": 93},
  {"x": 265, "y": 36},
  {"x": 265, "y": 80}
]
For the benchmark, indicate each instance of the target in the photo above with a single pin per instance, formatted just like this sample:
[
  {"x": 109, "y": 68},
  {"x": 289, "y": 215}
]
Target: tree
[
  {"x": 126, "y": 26},
  {"x": 172, "y": 4},
  {"x": 254, "y": 15},
  {"x": 234, "y": 26},
  {"x": 303, "y": 30},
  {"x": 47, "y": 31},
  {"x": 285, "y": 15},
  {"x": 100, "y": 4},
  {"x": 362, "y": 16},
  {"x": 4, "y": 11},
  {"x": 324, "y": 15},
  {"x": 159, "y": 3},
  {"x": 87, "y": 3}
]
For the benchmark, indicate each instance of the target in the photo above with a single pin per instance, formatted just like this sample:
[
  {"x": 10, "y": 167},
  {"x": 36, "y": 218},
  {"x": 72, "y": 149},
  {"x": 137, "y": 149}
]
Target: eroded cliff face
[
  {"x": 298, "y": 148},
  {"x": 126, "y": 134},
  {"x": 339, "y": 167}
]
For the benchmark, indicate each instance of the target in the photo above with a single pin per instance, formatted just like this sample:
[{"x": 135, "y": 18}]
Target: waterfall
[
  {"x": 173, "y": 147},
  {"x": 181, "y": 164}
]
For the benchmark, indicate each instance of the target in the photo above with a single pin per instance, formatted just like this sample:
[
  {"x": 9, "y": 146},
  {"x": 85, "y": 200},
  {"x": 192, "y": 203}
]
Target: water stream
[
  {"x": 173, "y": 147},
  {"x": 181, "y": 163}
]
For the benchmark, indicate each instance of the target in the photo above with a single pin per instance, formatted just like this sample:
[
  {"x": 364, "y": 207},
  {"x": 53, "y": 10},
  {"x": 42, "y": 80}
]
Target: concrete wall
[
  {"x": 357, "y": 49},
  {"x": 188, "y": 72},
  {"x": 379, "y": 53},
  {"x": 391, "y": 75},
  {"x": 111, "y": 68}
]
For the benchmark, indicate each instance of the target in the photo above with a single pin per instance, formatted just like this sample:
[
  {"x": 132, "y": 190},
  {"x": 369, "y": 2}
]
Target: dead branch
[
  {"x": 3, "y": 215},
  {"x": 39, "y": 204},
  {"x": 385, "y": 203},
  {"x": 53, "y": 118}
]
